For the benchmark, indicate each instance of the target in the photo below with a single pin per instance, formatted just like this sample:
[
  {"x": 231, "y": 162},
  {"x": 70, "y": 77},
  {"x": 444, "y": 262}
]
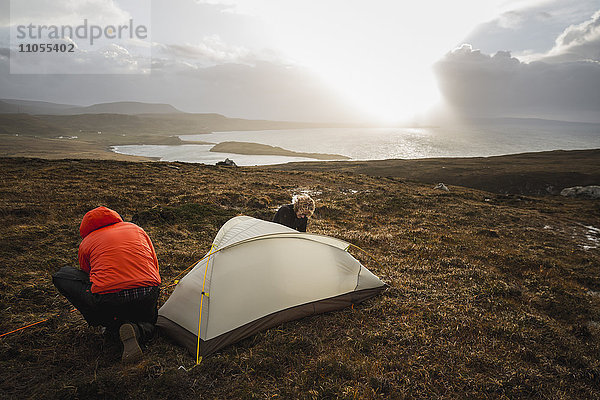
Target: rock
[
  {"x": 227, "y": 162},
  {"x": 590, "y": 192},
  {"x": 441, "y": 186},
  {"x": 570, "y": 192}
]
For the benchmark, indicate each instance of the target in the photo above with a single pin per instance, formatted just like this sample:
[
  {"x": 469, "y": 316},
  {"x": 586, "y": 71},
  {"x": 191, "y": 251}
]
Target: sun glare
[
  {"x": 377, "y": 54},
  {"x": 391, "y": 95}
]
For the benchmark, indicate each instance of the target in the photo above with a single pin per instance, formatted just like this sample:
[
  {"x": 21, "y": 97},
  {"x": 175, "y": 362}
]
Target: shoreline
[
  {"x": 316, "y": 159},
  {"x": 258, "y": 149},
  {"x": 534, "y": 173}
]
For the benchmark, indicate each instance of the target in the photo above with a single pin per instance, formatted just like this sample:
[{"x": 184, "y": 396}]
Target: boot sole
[{"x": 131, "y": 349}]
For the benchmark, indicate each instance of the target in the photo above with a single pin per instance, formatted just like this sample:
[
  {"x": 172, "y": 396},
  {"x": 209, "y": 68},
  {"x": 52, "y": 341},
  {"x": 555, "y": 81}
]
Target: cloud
[
  {"x": 479, "y": 85},
  {"x": 65, "y": 12},
  {"x": 577, "y": 42},
  {"x": 109, "y": 58},
  {"x": 563, "y": 83},
  {"x": 263, "y": 90},
  {"x": 100, "y": 55},
  {"x": 200, "y": 73},
  {"x": 531, "y": 29},
  {"x": 581, "y": 33},
  {"x": 511, "y": 19},
  {"x": 211, "y": 50},
  {"x": 225, "y": 6},
  {"x": 271, "y": 91}
]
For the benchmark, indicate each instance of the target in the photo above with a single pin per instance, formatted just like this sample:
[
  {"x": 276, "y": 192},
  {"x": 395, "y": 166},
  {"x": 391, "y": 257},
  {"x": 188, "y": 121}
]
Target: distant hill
[
  {"x": 125, "y": 107},
  {"x": 523, "y": 121},
  {"x": 29, "y": 125},
  {"x": 12, "y": 106},
  {"x": 128, "y": 126}
]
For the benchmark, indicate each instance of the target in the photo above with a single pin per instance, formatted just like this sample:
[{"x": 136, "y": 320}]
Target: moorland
[{"x": 493, "y": 292}]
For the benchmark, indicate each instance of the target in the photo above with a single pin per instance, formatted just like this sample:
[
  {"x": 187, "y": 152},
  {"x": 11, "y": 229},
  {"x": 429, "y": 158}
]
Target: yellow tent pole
[
  {"x": 198, "y": 358},
  {"x": 211, "y": 252}
]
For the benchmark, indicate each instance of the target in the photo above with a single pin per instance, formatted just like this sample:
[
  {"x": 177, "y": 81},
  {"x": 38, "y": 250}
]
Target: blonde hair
[{"x": 304, "y": 204}]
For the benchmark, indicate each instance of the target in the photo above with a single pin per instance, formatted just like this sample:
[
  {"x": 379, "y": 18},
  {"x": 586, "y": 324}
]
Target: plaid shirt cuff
[{"x": 136, "y": 293}]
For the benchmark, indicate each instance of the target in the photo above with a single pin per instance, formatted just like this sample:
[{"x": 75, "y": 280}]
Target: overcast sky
[{"x": 322, "y": 60}]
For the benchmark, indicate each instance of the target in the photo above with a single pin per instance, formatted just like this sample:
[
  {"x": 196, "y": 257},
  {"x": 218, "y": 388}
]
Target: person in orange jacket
[{"x": 117, "y": 285}]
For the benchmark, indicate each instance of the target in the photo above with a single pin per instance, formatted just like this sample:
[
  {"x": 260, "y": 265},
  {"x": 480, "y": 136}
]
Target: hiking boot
[{"x": 131, "y": 349}]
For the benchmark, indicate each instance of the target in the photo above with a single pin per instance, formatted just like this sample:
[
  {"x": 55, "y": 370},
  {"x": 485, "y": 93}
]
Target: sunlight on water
[
  {"x": 384, "y": 143},
  {"x": 200, "y": 154}
]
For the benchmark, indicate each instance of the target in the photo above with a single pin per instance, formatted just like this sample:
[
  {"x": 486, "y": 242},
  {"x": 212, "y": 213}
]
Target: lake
[{"x": 473, "y": 140}]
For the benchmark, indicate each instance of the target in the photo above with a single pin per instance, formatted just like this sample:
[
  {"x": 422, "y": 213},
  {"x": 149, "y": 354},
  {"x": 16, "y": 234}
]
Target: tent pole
[{"x": 198, "y": 358}]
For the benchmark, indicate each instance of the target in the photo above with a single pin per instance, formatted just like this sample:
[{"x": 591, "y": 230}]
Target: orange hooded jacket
[{"x": 117, "y": 255}]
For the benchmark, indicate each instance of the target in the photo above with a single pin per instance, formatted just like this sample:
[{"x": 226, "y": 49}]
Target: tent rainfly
[{"x": 259, "y": 274}]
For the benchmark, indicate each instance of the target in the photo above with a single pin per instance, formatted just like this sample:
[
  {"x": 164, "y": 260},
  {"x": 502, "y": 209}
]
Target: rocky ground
[{"x": 490, "y": 295}]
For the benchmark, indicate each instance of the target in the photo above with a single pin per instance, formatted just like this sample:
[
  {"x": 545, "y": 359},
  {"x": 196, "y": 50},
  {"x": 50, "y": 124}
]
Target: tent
[{"x": 259, "y": 274}]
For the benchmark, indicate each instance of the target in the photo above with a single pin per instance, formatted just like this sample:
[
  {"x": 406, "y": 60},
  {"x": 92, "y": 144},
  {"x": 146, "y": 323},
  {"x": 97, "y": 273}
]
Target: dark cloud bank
[{"x": 564, "y": 84}]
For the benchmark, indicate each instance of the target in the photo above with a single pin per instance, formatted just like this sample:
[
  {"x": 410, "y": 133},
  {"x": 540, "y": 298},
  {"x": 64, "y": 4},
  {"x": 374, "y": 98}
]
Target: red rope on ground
[
  {"x": 35, "y": 323},
  {"x": 44, "y": 320},
  {"x": 26, "y": 326}
]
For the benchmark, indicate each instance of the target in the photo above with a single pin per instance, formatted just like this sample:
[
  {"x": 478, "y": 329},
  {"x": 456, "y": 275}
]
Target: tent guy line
[
  {"x": 263, "y": 274},
  {"x": 322, "y": 239}
]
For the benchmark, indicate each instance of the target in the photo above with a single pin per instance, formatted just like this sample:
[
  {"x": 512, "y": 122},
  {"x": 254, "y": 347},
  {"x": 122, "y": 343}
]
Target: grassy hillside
[
  {"x": 490, "y": 295},
  {"x": 538, "y": 173},
  {"x": 164, "y": 125}
]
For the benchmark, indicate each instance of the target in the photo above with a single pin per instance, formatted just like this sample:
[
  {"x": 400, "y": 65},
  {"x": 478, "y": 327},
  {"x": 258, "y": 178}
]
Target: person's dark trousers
[{"x": 136, "y": 306}]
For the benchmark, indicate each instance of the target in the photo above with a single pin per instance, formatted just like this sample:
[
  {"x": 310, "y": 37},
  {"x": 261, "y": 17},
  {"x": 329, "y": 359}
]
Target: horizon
[
  {"x": 317, "y": 124},
  {"x": 357, "y": 62}
]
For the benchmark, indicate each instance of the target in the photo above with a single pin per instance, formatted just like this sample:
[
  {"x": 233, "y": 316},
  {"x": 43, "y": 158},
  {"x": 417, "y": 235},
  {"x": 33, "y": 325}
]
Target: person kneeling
[
  {"x": 296, "y": 215},
  {"x": 117, "y": 285}
]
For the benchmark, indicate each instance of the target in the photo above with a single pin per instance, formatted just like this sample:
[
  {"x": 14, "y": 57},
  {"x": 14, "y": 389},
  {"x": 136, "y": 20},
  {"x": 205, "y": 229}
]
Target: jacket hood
[{"x": 97, "y": 218}]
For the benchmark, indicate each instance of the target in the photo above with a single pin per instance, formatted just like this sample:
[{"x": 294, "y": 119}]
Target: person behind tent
[
  {"x": 117, "y": 284},
  {"x": 296, "y": 215}
]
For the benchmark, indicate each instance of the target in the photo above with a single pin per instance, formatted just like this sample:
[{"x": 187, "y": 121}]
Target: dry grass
[
  {"x": 491, "y": 296},
  {"x": 538, "y": 173}
]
